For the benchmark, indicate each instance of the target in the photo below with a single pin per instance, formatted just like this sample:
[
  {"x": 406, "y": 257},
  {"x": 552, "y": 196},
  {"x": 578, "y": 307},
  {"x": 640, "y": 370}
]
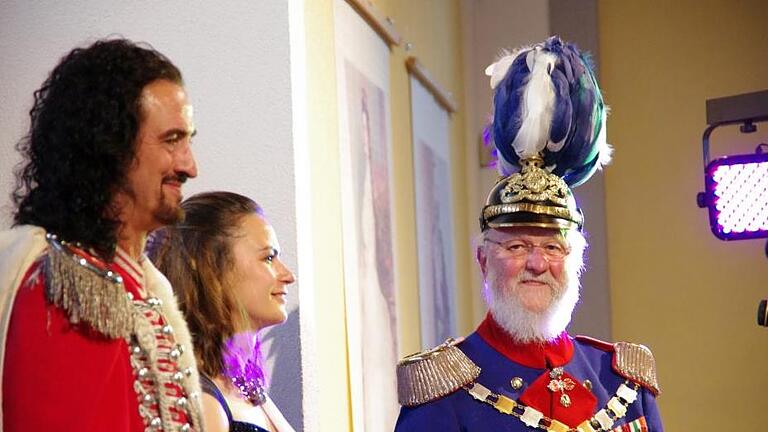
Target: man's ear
[{"x": 482, "y": 259}]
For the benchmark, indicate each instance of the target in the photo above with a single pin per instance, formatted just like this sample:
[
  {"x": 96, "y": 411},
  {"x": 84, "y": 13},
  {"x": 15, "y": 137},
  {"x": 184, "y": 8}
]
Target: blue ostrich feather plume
[{"x": 547, "y": 103}]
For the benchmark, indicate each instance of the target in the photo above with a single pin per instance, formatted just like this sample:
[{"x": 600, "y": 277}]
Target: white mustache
[{"x": 528, "y": 276}]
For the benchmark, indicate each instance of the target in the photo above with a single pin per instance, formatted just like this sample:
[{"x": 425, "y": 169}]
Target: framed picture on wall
[
  {"x": 430, "y": 122},
  {"x": 362, "y": 67}
]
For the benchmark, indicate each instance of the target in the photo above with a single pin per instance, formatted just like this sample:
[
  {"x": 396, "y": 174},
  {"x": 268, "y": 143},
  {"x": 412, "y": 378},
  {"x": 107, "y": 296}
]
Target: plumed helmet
[{"x": 549, "y": 130}]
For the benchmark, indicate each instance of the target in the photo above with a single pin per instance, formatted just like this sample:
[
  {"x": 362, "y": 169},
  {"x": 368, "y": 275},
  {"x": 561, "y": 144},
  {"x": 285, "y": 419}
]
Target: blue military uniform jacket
[{"x": 571, "y": 384}]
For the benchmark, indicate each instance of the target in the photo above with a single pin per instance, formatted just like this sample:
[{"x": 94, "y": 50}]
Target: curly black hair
[{"x": 81, "y": 140}]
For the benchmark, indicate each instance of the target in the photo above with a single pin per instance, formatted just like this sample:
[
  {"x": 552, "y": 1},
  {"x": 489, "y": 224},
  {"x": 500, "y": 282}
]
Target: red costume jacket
[{"x": 65, "y": 376}]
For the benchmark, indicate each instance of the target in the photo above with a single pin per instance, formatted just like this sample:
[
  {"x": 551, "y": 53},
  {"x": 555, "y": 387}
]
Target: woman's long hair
[{"x": 196, "y": 256}]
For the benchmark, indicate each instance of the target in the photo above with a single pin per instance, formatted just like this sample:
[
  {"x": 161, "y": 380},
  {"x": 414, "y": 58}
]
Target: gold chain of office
[{"x": 603, "y": 420}]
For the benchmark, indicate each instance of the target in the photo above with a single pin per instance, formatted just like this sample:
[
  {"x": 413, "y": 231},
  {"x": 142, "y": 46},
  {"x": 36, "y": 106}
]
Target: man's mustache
[
  {"x": 546, "y": 278},
  {"x": 527, "y": 275},
  {"x": 181, "y": 178}
]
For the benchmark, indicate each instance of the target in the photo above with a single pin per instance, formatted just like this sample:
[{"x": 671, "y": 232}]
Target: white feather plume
[
  {"x": 498, "y": 70},
  {"x": 538, "y": 105},
  {"x": 605, "y": 149}
]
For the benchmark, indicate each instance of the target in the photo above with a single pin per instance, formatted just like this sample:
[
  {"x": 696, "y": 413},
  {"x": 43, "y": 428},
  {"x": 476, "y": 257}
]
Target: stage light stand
[{"x": 736, "y": 186}]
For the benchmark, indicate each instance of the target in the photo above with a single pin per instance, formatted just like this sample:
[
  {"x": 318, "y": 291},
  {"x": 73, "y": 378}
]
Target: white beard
[{"x": 524, "y": 325}]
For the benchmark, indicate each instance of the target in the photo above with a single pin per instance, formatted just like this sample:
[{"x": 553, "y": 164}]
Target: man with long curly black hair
[{"x": 91, "y": 337}]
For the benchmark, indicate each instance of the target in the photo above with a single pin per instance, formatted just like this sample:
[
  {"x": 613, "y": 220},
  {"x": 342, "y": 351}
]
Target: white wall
[{"x": 235, "y": 58}]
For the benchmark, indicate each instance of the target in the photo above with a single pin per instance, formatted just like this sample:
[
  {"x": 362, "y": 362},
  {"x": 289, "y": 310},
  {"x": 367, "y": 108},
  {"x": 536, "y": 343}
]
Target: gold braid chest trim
[
  {"x": 602, "y": 421},
  {"x": 88, "y": 294},
  {"x": 636, "y": 362},
  {"x": 432, "y": 374}
]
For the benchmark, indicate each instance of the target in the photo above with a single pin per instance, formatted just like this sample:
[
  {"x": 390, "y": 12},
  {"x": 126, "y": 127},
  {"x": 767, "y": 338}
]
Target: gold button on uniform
[{"x": 517, "y": 383}]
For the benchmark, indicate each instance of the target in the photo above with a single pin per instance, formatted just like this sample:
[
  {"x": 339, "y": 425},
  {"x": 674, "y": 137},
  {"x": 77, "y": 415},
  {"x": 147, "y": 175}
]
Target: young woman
[{"x": 224, "y": 265}]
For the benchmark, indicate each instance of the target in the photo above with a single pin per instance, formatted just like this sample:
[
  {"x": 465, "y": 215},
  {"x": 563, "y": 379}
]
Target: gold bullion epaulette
[
  {"x": 632, "y": 361},
  {"x": 86, "y": 289},
  {"x": 432, "y": 374}
]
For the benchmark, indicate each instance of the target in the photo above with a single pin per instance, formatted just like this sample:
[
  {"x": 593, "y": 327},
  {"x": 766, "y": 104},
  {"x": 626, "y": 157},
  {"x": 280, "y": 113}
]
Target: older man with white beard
[
  {"x": 521, "y": 370},
  {"x": 531, "y": 279}
]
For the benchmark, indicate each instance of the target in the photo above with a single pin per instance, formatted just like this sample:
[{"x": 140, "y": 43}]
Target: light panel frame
[{"x": 712, "y": 199}]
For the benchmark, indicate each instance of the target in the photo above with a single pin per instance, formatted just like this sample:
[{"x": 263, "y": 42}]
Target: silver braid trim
[
  {"x": 159, "y": 286},
  {"x": 97, "y": 297},
  {"x": 432, "y": 374},
  {"x": 87, "y": 294}
]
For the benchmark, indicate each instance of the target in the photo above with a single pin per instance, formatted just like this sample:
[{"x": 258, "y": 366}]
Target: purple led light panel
[{"x": 740, "y": 193}]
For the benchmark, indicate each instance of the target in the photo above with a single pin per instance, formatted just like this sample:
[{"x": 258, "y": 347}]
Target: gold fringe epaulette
[
  {"x": 87, "y": 293},
  {"x": 432, "y": 374},
  {"x": 636, "y": 362}
]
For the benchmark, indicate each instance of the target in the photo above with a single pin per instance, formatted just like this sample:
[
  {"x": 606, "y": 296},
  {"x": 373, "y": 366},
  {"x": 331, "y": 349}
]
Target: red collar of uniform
[
  {"x": 131, "y": 271},
  {"x": 123, "y": 264},
  {"x": 539, "y": 355}
]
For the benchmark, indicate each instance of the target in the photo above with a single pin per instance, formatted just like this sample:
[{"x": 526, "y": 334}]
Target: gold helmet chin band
[{"x": 532, "y": 197}]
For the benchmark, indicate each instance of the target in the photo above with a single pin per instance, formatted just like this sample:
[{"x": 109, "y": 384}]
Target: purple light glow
[
  {"x": 242, "y": 357},
  {"x": 740, "y": 194}
]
